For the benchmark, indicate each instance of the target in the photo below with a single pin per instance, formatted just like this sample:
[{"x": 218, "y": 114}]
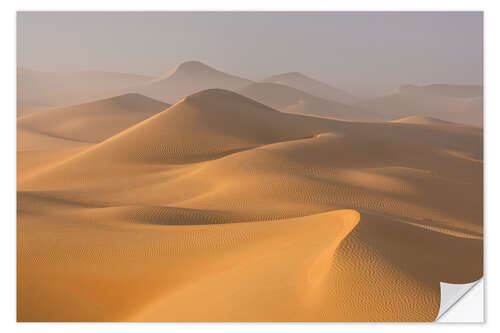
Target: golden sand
[{"x": 220, "y": 208}]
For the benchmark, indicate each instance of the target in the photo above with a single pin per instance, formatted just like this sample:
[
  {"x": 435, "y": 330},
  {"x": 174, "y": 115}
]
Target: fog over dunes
[
  {"x": 94, "y": 121},
  {"x": 422, "y": 120},
  {"x": 37, "y": 89},
  {"x": 291, "y": 100},
  {"x": 455, "y": 103},
  {"x": 187, "y": 78},
  {"x": 312, "y": 86},
  {"x": 362, "y": 53},
  {"x": 448, "y": 90},
  {"x": 290, "y": 92}
]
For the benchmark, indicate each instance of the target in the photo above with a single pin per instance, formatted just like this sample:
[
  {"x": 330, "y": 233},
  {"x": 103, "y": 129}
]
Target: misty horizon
[{"x": 365, "y": 54}]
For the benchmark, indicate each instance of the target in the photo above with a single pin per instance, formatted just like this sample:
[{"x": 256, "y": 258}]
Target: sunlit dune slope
[
  {"x": 94, "y": 121},
  {"x": 145, "y": 273},
  {"x": 222, "y": 208},
  {"x": 215, "y": 123},
  {"x": 185, "y": 79},
  {"x": 291, "y": 100},
  {"x": 47, "y": 137},
  {"x": 203, "y": 126},
  {"x": 422, "y": 120},
  {"x": 314, "y": 87}
]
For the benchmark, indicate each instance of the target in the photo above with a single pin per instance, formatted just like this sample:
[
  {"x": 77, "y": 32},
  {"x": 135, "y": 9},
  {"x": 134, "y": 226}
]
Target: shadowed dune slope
[
  {"x": 454, "y": 103},
  {"x": 291, "y": 100},
  {"x": 94, "y": 121},
  {"x": 205, "y": 125},
  {"x": 221, "y": 208},
  {"x": 187, "y": 78},
  {"x": 215, "y": 123},
  {"x": 28, "y": 140},
  {"x": 314, "y": 87},
  {"x": 38, "y": 90}
]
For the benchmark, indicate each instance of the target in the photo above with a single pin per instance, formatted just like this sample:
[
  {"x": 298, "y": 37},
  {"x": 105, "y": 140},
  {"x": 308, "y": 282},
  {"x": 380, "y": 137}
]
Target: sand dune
[
  {"x": 167, "y": 138},
  {"x": 291, "y": 100},
  {"x": 28, "y": 140},
  {"x": 37, "y": 90},
  {"x": 185, "y": 79},
  {"x": 49, "y": 136},
  {"x": 455, "y": 103},
  {"x": 314, "y": 87},
  {"x": 127, "y": 281},
  {"x": 94, "y": 121},
  {"x": 196, "y": 129},
  {"x": 422, "y": 120},
  {"x": 222, "y": 208}
]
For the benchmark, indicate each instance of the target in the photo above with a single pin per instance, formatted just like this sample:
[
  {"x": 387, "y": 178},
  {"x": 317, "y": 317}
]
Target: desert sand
[
  {"x": 94, "y": 121},
  {"x": 49, "y": 135},
  {"x": 220, "y": 208}
]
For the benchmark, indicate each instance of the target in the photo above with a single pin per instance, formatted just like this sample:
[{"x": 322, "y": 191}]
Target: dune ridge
[
  {"x": 422, "y": 120},
  {"x": 105, "y": 117},
  {"x": 221, "y": 208},
  {"x": 185, "y": 79}
]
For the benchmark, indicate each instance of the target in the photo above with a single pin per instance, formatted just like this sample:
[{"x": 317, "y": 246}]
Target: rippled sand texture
[{"x": 220, "y": 208}]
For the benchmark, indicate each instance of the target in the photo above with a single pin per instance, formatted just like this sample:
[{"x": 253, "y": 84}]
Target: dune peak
[
  {"x": 288, "y": 76},
  {"x": 221, "y": 97},
  {"x": 194, "y": 67},
  {"x": 187, "y": 78},
  {"x": 422, "y": 120}
]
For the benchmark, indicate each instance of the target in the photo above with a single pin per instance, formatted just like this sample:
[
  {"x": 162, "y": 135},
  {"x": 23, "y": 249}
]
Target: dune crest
[
  {"x": 188, "y": 78},
  {"x": 221, "y": 208},
  {"x": 94, "y": 121},
  {"x": 167, "y": 137},
  {"x": 422, "y": 120},
  {"x": 303, "y": 248}
]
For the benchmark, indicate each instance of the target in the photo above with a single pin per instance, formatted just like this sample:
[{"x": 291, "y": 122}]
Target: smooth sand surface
[
  {"x": 220, "y": 208},
  {"x": 94, "y": 121}
]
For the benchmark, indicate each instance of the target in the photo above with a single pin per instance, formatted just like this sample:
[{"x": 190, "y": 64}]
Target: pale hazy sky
[{"x": 364, "y": 53}]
